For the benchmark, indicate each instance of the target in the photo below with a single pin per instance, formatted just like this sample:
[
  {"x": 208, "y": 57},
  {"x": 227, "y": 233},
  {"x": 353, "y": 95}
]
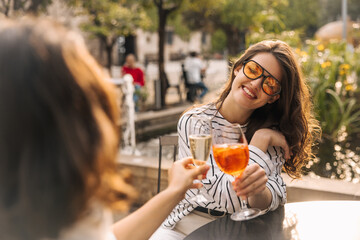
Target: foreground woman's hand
[
  {"x": 153, "y": 213},
  {"x": 183, "y": 173}
]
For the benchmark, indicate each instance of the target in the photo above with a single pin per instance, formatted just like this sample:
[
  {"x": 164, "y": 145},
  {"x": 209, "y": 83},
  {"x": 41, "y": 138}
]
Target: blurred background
[{"x": 325, "y": 35}]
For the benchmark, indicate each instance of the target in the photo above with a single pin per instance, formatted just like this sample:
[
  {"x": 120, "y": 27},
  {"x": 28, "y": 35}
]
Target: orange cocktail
[{"x": 231, "y": 158}]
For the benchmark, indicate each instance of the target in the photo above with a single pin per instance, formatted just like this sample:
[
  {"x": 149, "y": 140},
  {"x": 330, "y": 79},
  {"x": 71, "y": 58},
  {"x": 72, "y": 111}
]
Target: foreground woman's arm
[{"x": 142, "y": 223}]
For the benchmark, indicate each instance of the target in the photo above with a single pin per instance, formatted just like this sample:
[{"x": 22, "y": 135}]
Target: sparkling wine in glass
[
  {"x": 200, "y": 139},
  {"x": 231, "y": 153}
]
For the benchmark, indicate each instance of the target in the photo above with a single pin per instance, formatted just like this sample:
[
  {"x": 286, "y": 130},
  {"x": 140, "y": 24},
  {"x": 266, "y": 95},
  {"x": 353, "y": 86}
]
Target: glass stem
[{"x": 243, "y": 203}]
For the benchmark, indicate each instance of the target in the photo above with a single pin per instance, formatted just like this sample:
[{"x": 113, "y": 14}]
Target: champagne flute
[
  {"x": 199, "y": 134},
  {"x": 231, "y": 153}
]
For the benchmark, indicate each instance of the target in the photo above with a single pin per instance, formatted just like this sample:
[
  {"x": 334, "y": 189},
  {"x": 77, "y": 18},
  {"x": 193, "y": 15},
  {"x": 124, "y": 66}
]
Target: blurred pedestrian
[
  {"x": 130, "y": 67},
  {"x": 194, "y": 68}
]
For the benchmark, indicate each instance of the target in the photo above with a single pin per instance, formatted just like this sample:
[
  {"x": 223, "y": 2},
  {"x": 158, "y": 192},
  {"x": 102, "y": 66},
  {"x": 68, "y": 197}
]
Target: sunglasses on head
[{"x": 270, "y": 85}]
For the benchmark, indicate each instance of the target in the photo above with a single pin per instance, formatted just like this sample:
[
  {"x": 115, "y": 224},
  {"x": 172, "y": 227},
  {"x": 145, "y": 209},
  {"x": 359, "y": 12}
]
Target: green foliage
[
  {"x": 333, "y": 75},
  {"x": 180, "y": 29},
  {"x": 302, "y": 15},
  {"x": 153, "y": 18},
  {"x": 110, "y": 19},
  {"x": 290, "y": 37},
  {"x": 269, "y": 21},
  {"x": 233, "y": 17},
  {"x": 142, "y": 94},
  {"x": 239, "y": 13},
  {"x": 330, "y": 10},
  {"x": 218, "y": 41},
  {"x": 21, "y": 7}
]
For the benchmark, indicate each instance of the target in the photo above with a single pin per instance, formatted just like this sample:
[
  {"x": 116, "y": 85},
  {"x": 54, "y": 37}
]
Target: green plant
[
  {"x": 218, "y": 41},
  {"x": 333, "y": 76},
  {"x": 290, "y": 37},
  {"x": 142, "y": 94}
]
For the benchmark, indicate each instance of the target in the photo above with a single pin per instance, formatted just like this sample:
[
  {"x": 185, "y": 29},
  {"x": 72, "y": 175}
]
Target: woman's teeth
[{"x": 248, "y": 92}]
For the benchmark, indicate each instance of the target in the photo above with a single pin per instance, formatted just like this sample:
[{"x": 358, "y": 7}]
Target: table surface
[{"x": 295, "y": 221}]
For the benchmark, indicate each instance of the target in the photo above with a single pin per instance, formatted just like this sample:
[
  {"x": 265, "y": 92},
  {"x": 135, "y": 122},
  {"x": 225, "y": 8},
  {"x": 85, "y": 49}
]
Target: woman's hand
[
  {"x": 251, "y": 182},
  {"x": 183, "y": 173},
  {"x": 153, "y": 213},
  {"x": 265, "y": 137}
]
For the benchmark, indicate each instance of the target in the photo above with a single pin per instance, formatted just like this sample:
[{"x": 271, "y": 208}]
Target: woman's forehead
[{"x": 270, "y": 63}]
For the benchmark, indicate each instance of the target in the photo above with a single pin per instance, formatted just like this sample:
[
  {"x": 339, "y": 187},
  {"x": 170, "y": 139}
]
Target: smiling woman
[
  {"x": 267, "y": 95},
  {"x": 290, "y": 111}
]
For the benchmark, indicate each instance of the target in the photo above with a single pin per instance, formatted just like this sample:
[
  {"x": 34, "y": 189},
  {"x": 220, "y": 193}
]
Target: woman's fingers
[
  {"x": 284, "y": 145},
  {"x": 253, "y": 177},
  {"x": 252, "y": 181},
  {"x": 183, "y": 173},
  {"x": 253, "y": 188},
  {"x": 185, "y": 161},
  {"x": 287, "y": 151},
  {"x": 249, "y": 171},
  {"x": 196, "y": 185},
  {"x": 200, "y": 171},
  {"x": 197, "y": 172},
  {"x": 198, "y": 162},
  {"x": 190, "y": 163}
]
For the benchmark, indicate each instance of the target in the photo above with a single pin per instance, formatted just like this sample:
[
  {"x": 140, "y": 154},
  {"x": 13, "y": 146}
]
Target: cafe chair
[{"x": 166, "y": 141}]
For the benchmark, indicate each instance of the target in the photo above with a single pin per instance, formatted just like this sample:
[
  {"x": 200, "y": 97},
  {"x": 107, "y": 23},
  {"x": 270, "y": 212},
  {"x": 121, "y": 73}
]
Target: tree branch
[
  {"x": 169, "y": 10},
  {"x": 6, "y": 7},
  {"x": 158, "y": 3}
]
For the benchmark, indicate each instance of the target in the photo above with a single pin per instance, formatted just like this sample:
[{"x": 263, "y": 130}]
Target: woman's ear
[{"x": 273, "y": 99}]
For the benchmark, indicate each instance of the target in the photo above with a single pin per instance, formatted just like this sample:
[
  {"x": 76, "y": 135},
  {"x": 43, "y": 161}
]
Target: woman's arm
[
  {"x": 142, "y": 223},
  {"x": 263, "y": 138},
  {"x": 262, "y": 182}
]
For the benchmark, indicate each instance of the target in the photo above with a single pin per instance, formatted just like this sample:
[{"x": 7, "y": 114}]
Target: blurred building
[
  {"x": 334, "y": 30},
  {"x": 175, "y": 47}
]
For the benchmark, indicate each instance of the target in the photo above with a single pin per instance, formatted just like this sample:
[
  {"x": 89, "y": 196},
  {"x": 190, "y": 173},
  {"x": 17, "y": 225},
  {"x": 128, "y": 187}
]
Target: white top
[
  {"x": 95, "y": 226},
  {"x": 193, "y": 67},
  {"x": 217, "y": 185}
]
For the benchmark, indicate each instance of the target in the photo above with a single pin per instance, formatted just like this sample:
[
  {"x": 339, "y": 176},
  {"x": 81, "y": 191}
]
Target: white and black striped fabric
[{"x": 217, "y": 184}]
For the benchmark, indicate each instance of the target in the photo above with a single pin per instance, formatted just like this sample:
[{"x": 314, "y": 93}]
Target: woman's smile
[{"x": 248, "y": 92}]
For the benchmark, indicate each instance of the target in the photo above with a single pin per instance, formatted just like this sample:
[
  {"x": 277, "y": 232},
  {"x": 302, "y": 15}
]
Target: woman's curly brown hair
[{"x": 291, "y": 114}]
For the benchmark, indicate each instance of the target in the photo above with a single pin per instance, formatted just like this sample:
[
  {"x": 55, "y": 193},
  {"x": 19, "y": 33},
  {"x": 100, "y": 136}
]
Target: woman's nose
[{"x": 257, "y": 83}]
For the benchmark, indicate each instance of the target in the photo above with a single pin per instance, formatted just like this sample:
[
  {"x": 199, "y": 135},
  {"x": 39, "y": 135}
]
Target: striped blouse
[{"x": 217, "y": 185}]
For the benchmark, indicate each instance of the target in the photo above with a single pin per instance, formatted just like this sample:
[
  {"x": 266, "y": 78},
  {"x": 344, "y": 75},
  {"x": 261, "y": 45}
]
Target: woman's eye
[
  {"x": 255, "y": 70},
  {"x": 269, "y": 84},
  {"x": 252, "y": 70}
]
